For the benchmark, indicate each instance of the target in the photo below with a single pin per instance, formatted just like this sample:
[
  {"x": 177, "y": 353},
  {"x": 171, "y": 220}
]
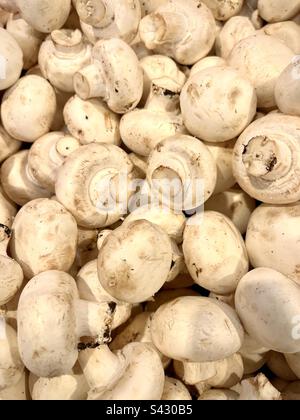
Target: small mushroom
[
  {"x": 17, "y": 181},
  {"x": 51, "y": 321},
  {"x": 115, "y": 75},
  {"x": 61, "y": 55},
  {"x": 11, "y": 59},
  {"x": 224, "y": 119},
  {"x": 106, "y": 19},
  {"x": 46, "y": 156},
  {"x": 215, "y": 253},
  {"x": 28, "y": 108},
  {"x": 174, "y": 30},
  {"x": 91, "y": 121},
  {"x": 44, "y": 237},
  {"x": 278, "y": 10},
  {"x": 175, "y": 390},
  {"x": 196, "y": 329},
  {"x": 133, "y": 373},
  {"x": 90, "y": 184}
]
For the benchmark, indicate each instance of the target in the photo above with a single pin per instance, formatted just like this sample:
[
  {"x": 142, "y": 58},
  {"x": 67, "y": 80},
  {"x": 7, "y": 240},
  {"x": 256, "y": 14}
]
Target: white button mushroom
[
  {"x": 268, "y": 305},
  {"x": 11, "y": 274},
  {"x": 266, "y": 163},
  {"x": 223, "y": 10},
  {"x": 90, "y": 288},
  {"x": 273, "y": 239},
  {"x": 28, "y": 108},
  {"x": 135, "y": 261},
  {"x": 278, "y": 10},
  {"x": 8, "y": 145},
  {"x": 174, "y": 30},
  {"x": 224, "y": 119},
  {"x": 175, "y": 390},
  {"x": 253, "y": 57},
  {"x": 196, "y": 329},
  {"x": 115, "y": 76},
  {"x": 288, "y": 32},
  {"x": 27, "y": 37},
  {"x": 287, "y": 89},
  {"x": 44, "y": 237},
  {"x": 91, "y": 121},
  {"x": 88, "y": 184},
  {"x": 11, "y": 366},
  {"x": 105, "y": 19},
  {"x": 51, "y": 321},
  {"x": 47, "y": 154},
  {"x": 11, "y": 60},
  {"x": 18, "y": 182},
  {"x": 188, "y": 166},
  {"x": 235, "y": 204},
  {"x": 215, "y": 253},
  {"x": 63, "y": 54},
  {"x": 42, "y": 15},
  {"x": 133, "y": 373}
]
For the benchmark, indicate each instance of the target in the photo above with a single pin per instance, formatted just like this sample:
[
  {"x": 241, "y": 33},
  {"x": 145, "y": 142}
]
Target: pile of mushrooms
[{"x": 149, "y": 200}]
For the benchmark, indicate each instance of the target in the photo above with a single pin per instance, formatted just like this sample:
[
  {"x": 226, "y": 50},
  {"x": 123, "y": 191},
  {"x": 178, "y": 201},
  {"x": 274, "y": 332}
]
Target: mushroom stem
[
  {"x": 267, "y": 158},
  {"x": 94, "y": 319},
  {"x": 100, "y": 367},
  {"x": 96, "y": 13},
  {"x": 67, "y": 42},
  {"x": 164, "y": 27},
  {"x": 89, "y": 82}
]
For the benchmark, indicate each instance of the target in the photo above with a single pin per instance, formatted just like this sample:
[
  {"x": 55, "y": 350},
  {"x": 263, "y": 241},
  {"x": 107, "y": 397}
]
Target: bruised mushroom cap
[
  {"x": 11, "y": 366},
  {"x": 272, "y": 238},
  {"x": 260, "y": 301},
  {"x": 115, "y": 75},
  {"x": 11, "y": 60},
  {"x": 90, "y": 289},
  {"x": 278, "y": 10},
  {"x": 44, "y": 237},
  {"x": 174, "y": 30},
  {"x": 8, "y": 145},
  {"x": 214, "y": 251},
  {"x": 87, "y": 184},
  {"x": 28, "y": 108},
  {"x": 47, "y": 154},
  {"x": 17, "y": 182},
  {"x": 254, "y": 59},
  {"x": 45, "y": 15},
  {"x": 91, "y": 121},
  {"x": 224, "y": 119},
  {"x": 196, "y": 329},
  {"x": 266, "y": 159},
  {"x": 187, "y": 163},
  {"x": 11, "y": 274},
  {"x": 134, "y": 261}
]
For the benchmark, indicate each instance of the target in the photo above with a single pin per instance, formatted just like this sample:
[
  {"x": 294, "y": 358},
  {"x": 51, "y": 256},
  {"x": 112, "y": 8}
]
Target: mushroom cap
[
  {"x": 224, "y": 119},
  {"x": 17, "y": 181},
  {"x": 87, "y": 182},
  {"x": 267, "y": 303},
  {"x": 11, "y": 60},
  {"x": 11, "y": 278},
  {"x": 278, "y": 10},
  {"x": 175, "y": 390},
  {"x": 28, "y": 108},
  {"x": 44, "y": 237},
  {"x": 134, "y": 261},
  {"x": 47, "y": 335},
  {"x": 8, "y": 145},
  {"x": 91, "y": 121},
  {"x": 8, "y": 209},
  {"x": 196, "y": 329},
  {"x": 224, "y": 10},
  {"x": 11, "y": 366},
  {"x": 287, "y": 89}
]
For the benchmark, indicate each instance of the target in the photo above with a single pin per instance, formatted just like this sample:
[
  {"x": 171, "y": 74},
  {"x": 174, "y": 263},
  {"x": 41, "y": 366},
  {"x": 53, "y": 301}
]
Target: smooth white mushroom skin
[
  {"x": 265, "y": 160},
  {"x": 207, "y": 62},
  {"x": 224, "y": 119},
  {"x": 267, "y": 303},
  {"x": 44, "y": 237},
  {"x": 134, "y": 261},
  {"x": 223, "y": 10},
  {"x": 8, "y": 145},
  {"x": 91, "y": 121},
  {"x": 288, "y": 32},
  {"x": 175, "y": 390},
  {"x": 28, "y": 108},
  {"x": 287, "y": 89},
  {"x": 11, "y": 60},
  {"x": 214, "y": 252},
  {"x": 253, "y": 58},
  {"x": 223, "y": 335},
  {"x": 278, "y": 10}
]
